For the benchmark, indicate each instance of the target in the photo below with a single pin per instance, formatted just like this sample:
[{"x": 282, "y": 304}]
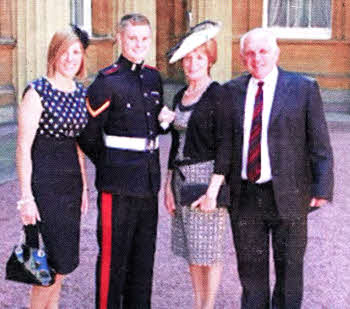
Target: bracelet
[{"x": 21, "y": 202}]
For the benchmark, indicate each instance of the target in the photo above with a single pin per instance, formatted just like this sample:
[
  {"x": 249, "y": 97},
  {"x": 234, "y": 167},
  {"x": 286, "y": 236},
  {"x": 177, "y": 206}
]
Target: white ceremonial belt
[{"x": 131, "y": 143}]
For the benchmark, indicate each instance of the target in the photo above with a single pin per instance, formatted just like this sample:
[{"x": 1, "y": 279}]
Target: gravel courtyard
[{"x": 327, "y": 262}]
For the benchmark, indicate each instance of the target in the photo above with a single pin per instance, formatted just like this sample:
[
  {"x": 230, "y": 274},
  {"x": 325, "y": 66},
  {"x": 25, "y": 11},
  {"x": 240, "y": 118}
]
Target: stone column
[
  {"x": 36, "y": 23},
  {"x": 147, "y": 8},
  {"x": 217, "y": 11}
]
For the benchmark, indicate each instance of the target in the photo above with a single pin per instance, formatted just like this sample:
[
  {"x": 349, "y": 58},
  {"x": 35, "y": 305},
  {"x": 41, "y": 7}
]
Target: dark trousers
[
  {"x": 126, "y": 232},
  {"x": 257, "y": 219}
]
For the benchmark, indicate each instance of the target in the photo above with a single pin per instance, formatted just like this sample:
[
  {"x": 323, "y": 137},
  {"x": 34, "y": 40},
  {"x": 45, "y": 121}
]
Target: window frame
[
  {"x": 303, "y": 33},
  {"x": 87, "y": 14}
]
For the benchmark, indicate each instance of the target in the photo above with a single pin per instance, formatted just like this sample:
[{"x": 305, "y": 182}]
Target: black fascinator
[{"x": 82, "y": 35}]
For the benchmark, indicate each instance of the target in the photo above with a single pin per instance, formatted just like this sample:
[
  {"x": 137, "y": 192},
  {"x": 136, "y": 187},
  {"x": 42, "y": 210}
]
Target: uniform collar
[{"x": 127, "y": 64}]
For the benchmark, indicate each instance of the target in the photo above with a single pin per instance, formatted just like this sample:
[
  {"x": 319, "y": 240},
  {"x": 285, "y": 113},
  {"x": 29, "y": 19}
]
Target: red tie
[{"x": 254, "y": 152}]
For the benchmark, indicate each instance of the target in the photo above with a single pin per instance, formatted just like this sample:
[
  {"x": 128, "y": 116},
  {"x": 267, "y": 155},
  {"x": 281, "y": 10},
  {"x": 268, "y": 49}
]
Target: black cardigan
[{"x": 209, "y": 134}]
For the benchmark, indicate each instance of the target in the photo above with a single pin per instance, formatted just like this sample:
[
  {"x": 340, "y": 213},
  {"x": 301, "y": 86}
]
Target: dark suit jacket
[{"x": 298, "y": 141}]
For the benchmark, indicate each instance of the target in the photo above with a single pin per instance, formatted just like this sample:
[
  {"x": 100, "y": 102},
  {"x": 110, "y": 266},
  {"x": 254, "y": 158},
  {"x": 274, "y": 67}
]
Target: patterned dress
[
  {"x": 196, "y": 236},
  {"x": 56, "y": 175}
]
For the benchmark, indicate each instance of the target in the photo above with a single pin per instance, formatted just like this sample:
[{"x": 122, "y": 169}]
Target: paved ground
[{"x": 327, "y": 263}]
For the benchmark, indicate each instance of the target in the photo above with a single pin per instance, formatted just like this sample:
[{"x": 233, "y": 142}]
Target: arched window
[
  {"x": 299, "y": 19},
  {"x": 81, "y": 14}
]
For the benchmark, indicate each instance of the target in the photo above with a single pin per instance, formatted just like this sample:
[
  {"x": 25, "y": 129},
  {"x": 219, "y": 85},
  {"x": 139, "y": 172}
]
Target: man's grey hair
[
  {"x": 262, "y": 32},
  {"x": 133, "y": 19}
]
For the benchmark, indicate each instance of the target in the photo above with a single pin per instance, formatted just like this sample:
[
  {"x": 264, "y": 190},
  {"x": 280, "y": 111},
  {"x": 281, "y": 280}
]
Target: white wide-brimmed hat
[{"x": 194, "y": 38}]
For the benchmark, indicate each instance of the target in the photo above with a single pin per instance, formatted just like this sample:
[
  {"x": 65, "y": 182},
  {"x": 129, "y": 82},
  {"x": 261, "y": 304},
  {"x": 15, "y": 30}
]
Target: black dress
[{"x": 56, "y": 175}]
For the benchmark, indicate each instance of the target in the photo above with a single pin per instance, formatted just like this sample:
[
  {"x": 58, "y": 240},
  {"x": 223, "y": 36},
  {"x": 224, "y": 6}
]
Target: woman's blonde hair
[{"x": 59, "y": 43}]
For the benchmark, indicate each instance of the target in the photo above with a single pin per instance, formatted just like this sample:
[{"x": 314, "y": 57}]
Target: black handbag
[
  {"x": 29, "y": 265},
  {"x": 191, "y": 192}
]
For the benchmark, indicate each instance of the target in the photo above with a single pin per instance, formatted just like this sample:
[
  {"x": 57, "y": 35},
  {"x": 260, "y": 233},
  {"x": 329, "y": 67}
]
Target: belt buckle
[{"x": 150, "y": 144}]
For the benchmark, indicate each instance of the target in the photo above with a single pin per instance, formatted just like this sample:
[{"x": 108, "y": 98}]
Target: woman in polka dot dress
[{"x": 49, "y": 162}]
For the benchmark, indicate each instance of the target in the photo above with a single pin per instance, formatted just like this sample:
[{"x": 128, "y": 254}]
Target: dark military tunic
[{"x": 124, "y": 100}]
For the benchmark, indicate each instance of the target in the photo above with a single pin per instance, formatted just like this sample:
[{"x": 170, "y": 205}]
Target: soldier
[{"x": 121, "y": 139}]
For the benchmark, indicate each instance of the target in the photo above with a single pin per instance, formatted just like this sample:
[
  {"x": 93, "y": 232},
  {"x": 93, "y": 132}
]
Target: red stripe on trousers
[{"x": 106, "y": 218}]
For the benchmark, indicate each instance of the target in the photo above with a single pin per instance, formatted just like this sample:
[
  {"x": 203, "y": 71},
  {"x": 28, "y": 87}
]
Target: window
[
  {"x": 81, "y": 14},
  {"x": 303, "y": 19}
]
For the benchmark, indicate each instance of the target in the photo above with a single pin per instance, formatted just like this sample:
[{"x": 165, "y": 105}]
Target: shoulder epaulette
[
  {"x": 150, "y": 67},
  {"x": 110, "y": 70}
]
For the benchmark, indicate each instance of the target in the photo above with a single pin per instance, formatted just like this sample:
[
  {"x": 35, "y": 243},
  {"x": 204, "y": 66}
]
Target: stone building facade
[{"x": 314, "y": 36}]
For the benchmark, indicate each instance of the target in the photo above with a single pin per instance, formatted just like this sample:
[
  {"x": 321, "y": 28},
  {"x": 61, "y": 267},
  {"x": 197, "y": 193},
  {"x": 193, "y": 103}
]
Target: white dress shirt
[{"x": 269, "y": 87}]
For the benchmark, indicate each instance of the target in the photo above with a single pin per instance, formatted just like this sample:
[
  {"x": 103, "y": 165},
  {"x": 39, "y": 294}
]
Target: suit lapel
[
  {"x": 280, "y": 98},
  {"x": 242, "y": 98},
  {"x": 281, "y": 95}
]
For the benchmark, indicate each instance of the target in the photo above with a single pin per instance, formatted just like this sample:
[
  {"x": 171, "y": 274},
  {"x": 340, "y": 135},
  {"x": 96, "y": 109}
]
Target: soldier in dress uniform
[{"x": 121, "y": 139}]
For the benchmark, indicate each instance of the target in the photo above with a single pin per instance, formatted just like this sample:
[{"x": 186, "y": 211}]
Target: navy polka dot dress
[
  {"x": 56, "y": 175},
  {"x": 64, "y": 114}
]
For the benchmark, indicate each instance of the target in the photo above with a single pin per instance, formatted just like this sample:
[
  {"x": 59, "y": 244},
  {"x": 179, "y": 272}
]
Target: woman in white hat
[{"x": 200, "y": 153}]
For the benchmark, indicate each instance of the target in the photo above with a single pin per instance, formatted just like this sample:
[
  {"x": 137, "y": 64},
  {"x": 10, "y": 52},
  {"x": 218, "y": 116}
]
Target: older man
[{"x": 283, "y": 167}]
